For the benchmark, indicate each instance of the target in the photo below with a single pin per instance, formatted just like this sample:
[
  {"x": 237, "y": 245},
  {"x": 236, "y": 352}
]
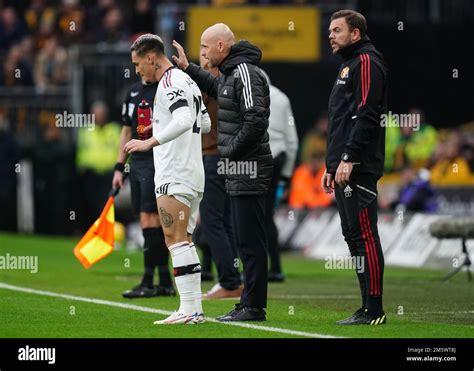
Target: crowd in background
[
  {"x": 34, "y": 40},
  {"x": 418, "y": 159},
  {"x": 35, "y": 37}
]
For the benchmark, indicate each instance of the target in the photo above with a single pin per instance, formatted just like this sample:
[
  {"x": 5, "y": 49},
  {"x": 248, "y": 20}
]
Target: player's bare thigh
[
  {"x": 174, "y": 216},
  {"x": 150, "y": 220}
]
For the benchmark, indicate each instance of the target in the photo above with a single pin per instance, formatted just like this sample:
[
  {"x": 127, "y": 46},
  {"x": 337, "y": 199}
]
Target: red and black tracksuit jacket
[{"x": 357, "y": 101}]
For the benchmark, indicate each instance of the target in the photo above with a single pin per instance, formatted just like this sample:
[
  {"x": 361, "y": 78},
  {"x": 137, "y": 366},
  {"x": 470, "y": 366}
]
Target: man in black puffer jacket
[{"x": 243, "y": 97}]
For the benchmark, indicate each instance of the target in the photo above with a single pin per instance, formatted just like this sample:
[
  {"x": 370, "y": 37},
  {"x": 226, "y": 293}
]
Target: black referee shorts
[{"x": 142, "y": 183}]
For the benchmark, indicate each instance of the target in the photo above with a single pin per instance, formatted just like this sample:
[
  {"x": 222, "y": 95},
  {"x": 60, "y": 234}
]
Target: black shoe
[
  {"x": 244, "y": 313},
  {"x": 276, "y": 277},
  {"x": 207, "y": 276},
  {"x": 355, "y": 315},
  {"x": 140, "y": 291},
  {"x": 231, "y": 313},
  {"x": 364, "y": 318},
  {"x": 165, "y": 291}
]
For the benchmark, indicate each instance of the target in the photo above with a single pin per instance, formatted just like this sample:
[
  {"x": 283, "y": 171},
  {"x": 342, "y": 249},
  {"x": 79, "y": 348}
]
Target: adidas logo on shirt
[{"x": 348, "y": 191}]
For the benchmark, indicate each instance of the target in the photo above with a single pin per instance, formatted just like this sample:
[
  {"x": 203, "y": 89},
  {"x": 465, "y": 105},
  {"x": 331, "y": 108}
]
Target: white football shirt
[{"x": 179, "y": 160}]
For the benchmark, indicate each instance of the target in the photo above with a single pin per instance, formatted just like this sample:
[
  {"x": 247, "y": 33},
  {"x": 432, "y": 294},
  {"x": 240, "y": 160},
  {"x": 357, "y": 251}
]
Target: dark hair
[
  {"x": 148, "y": 43},
  {"x": 353, "y": 19}
]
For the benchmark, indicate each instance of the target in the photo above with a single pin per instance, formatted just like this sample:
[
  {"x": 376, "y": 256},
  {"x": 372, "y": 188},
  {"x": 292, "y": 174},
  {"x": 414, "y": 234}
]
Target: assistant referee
[
  {"x": 355, "y": 154},
  {"x": 142, "y": 173}
]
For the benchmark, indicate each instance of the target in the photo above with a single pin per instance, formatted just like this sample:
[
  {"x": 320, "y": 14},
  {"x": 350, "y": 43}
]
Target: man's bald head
[
  {"x": 219, "y": 32},
  {"x": 216, "y": 42}
]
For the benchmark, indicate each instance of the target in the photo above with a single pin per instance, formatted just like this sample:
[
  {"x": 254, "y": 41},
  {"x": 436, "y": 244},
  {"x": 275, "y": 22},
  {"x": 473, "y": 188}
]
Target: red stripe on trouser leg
[
  {"x": 377, "y": 266},
  {"x": 372, "y": 253},
  {"x": 367, "y": 253}
]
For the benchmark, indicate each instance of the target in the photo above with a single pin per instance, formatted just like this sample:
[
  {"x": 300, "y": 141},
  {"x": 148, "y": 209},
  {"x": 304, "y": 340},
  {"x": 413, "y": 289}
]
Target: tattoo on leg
[{"x": 166, "y": 218}]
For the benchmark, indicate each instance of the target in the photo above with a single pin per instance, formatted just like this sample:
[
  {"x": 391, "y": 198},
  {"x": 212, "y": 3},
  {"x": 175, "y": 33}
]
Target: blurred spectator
[
  {"x": 467, "y": 147},
  {"x": 16, "y": 69},
  {"x": 51, "y": 66},
  {"x": 10, "y": 156},
  {"x": 12, "y": 29},
  {"x": 450, "y": 167},
  {"x": 409, "y": 144},
  {"x": 71, "y": 20},
  {"x": 306, "y": 191},
  {"x": 95, "y": 159},
  {"x": 315, "y": 139},
  {"x": 416, "y": 194},
  {"x": 40, "y": 20},
  {"x": 113, "y": 29},
  {"x": 143, "y": 17},
  {"x": 52, "y": 167},
  {"x": 95, "y": 16},
  {"x": 27, "y": 49}
]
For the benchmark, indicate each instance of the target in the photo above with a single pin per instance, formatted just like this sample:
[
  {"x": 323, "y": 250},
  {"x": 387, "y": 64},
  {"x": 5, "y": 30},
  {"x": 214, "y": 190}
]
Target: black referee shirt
[{"x": 135, "y": 95}]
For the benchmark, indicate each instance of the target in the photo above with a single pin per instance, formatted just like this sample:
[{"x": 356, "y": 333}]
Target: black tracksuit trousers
[
  {"x": 357, "y": 206},
  {"x": 216, "y": 224},
  {"x": 248, "y": 217}
]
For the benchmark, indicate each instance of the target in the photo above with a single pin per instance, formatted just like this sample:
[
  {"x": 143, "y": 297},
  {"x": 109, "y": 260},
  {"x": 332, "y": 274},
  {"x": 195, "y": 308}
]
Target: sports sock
[
  {"x": 197, "y": 281},
  {"x": 160, "y": 254},
  {"x": 374, "y": 305},
  {"x": 187, "y": 273},
  {"x": 149, "y": 264}
]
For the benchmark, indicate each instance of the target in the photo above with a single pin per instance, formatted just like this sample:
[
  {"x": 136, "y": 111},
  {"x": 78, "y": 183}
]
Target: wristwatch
[{"x": 345, "y": 157}]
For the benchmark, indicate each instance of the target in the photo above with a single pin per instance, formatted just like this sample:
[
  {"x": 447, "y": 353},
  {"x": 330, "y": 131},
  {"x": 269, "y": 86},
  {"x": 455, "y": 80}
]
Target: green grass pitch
[{"x": 417, "y": 303}]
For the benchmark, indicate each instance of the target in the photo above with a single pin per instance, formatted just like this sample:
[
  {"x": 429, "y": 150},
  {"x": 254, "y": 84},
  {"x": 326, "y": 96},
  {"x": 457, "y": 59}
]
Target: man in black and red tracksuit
[{"x": 355, "y": 154}]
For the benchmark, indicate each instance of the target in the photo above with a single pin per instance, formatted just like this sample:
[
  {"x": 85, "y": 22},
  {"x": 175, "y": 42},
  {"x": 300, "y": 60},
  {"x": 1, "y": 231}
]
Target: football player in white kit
[{"x": 179, "y": 117}]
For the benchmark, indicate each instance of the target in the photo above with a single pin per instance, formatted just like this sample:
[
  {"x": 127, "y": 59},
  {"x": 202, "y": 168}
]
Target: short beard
[{"x": 341, "y": 48}]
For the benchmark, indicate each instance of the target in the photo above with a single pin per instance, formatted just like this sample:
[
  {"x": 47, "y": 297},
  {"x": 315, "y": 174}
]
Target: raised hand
[{"x": 181, "y": 60}]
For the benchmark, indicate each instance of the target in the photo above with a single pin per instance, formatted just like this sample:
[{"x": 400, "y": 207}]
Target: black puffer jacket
[{"x": 244, "y": 107}]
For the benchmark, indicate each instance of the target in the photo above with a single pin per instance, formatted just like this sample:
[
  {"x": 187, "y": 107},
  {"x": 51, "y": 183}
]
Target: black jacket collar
[
  {"x": 240, "y": 52},
  {"x": 363, "y": 44}
]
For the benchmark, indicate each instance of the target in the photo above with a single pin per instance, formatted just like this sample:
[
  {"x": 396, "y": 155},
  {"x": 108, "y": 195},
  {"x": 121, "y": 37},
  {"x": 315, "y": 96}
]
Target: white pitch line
[
  {"x": 458, "y": 312},
  {"x": 159, "y": 311}
]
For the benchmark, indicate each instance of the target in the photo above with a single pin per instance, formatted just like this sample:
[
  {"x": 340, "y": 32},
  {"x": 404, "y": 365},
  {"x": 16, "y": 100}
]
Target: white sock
[
  {"x": 197, "y": 283},
  {"x": 182, "y": 255}
]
